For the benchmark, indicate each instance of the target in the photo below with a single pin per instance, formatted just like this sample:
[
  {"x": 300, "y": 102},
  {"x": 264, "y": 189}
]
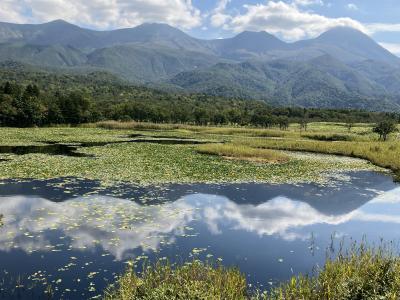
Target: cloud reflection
[
  {"x": 119, "y": 226},
  {"x": 279, "y": 216},
  {"x": 116, "y": 225}
]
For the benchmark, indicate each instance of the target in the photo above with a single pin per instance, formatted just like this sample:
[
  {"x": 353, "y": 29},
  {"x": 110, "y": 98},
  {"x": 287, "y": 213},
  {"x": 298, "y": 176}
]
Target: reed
[
  {"x": 243, "y": 152},
  {"x": 360, "y": 272}
]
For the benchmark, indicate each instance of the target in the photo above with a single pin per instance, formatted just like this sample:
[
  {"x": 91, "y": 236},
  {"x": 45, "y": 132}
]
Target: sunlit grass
[
  {"x": 383, "y": 154},
  {"x": 243, "y": 152},
  {"x": 222, "y": 130},
  {"x": 314, "y": 130},
  {"x": 361, "y": 272},
  {"x": 195, "y": 280},
  {"x": 150, "y": 163}
]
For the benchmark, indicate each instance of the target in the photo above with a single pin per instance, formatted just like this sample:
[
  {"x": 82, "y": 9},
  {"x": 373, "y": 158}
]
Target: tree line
[{"x": 32, "y": 104}]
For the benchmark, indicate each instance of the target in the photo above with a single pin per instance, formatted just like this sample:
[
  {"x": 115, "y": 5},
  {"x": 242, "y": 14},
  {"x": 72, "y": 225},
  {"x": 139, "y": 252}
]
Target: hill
[{"x": 342, "y": 67}]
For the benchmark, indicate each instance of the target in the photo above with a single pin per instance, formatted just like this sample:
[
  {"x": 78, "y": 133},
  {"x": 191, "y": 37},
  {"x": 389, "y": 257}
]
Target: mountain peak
[
  {"x": 349, "y": 44},
  {"x": 256, "y": 35},
  {"x": 155, "y": 25},
  {"x": 158, "y": 27},
  {"x": 260, "y": 41},
  {"x": 59, "y": 22},
  {"x": 343, "y": 32}
]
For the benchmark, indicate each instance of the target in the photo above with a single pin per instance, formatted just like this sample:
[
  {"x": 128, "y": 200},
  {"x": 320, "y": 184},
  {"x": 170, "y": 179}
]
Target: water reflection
[
  {"x": 81, "y": 227},
  {"x": 54, "y": 148},
  {"x": 117, "y": 225}
]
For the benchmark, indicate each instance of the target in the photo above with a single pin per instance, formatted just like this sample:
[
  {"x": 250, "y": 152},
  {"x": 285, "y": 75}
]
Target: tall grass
[
  {"x": 383, "y": 154},
  {"x": 195, "y": 280},
  {"x": 361, "y": 272},
  {"x": 243, "y": 152},
  {"x": 328, "y": 138},
  {"x": 223, "y": 130},
  {"x": 136, "y": 125}
]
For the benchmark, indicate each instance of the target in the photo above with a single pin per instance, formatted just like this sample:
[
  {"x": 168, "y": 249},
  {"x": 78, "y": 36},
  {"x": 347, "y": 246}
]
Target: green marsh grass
[
  {"x": 361, "y": 272},
  {"x": 382, "y": 154},
  {"x": 194, "y": 280},
  {"x": 150, "y": 163},
  {"x": 213, "y": 130},
  {"x": 243, "y": 152}
]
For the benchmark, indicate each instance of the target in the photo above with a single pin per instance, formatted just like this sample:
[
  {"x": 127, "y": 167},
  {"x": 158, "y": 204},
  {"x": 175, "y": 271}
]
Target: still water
[{"x": 71, "y": 237}]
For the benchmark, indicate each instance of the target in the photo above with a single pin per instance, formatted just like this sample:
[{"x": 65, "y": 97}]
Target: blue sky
[{"x": 290, "y": 20}]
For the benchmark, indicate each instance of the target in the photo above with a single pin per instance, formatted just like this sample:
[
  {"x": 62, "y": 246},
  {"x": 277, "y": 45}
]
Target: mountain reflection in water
[{"x": 70, "y": 228}]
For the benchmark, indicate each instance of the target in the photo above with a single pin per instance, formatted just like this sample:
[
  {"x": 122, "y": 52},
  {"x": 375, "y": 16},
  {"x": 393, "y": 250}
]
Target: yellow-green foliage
[
  {"x": 195, "y": 280},
  {"x": 363, "y": 273},
  {"x": 243, "y": 152},
  {"x": 136, "y": 125},
  {"x": 191, "y": 128},
  {"x": 383, "y": 154},
  {"x": 152, "y": 163}
]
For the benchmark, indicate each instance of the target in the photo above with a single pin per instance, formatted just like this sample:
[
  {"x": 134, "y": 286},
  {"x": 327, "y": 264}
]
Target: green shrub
[
  {"x": 195, "y": 280},
  {"x": 329, "y": 138},
  {"x": 363, "y": 273}
]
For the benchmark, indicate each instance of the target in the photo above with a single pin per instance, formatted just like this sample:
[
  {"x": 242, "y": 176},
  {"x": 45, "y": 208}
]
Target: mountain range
[{"x": 341, "y": 68}]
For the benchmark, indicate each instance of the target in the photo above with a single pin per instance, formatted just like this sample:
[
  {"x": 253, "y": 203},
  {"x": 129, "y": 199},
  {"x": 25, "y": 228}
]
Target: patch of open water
[
  {"x": 51, "y": 148},
  {"x": 76, "y": 235}
]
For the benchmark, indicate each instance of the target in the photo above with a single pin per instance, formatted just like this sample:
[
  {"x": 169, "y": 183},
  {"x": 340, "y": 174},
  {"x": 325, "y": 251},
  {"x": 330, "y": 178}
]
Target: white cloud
[
  {"x": 308, "y": 2},
  {"x": 382, "y": 27},
  {"x": 103, "y": 14},
  {"x": 219, "y": 17},
  {"x": 289, "y": 20},
  {"x": 11, "y": 11},
  {"x": 351, "y": 6},
  {"x": 286, "y": 20},
  {"x": 221, "y": 5}
]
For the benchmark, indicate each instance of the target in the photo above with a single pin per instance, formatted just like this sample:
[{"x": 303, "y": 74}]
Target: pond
[
  {"x": 69, "y": 238},
  {"x": 54, "y": 148}
]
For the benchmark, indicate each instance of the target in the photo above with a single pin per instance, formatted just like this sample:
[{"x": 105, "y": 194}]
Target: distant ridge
[{"x": 342, "y": 67}]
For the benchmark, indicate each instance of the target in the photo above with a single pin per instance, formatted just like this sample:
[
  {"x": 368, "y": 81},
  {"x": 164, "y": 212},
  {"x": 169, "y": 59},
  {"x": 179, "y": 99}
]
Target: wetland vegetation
[
  {"x": 153, "y": 157},
  {"x": 362, "y": 272},
  {"x": 239, "y": 159}
]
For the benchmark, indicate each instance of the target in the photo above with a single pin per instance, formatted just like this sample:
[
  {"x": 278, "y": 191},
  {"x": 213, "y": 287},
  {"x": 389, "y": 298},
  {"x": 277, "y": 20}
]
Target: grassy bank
[
  {"x": 383, "y": 154},
  {"x": 243, "y": 152},
  {"x": 361, "y": 273}
]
